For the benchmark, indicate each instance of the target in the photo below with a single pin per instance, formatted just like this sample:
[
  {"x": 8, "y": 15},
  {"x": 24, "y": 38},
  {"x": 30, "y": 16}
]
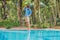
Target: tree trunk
[
  {"x": 37, "y": 15},
  {"x": 4, "y": 15},
  {"x": 20, "y": 12},
  {"x": 35, "y": 11},
  {"x": 52, "y": 5},
  {"x": 58, "y": 8}
]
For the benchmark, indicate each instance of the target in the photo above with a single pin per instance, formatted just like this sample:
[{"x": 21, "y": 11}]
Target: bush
[
  {"x": 9, "y": 24},
  {"x": 35, "y": 26},
  {"x": 45, "y": 25}
]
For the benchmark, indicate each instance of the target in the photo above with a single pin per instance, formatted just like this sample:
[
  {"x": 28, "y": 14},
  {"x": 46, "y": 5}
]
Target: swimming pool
[{"x": 34, "y": 34}]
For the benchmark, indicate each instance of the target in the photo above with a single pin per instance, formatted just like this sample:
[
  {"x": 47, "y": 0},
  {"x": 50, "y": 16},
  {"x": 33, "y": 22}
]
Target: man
[{"x": 28, "y": 13}]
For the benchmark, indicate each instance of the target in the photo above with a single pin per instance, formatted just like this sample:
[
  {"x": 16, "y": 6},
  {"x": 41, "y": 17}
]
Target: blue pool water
[{"x": 34, "y": 35}]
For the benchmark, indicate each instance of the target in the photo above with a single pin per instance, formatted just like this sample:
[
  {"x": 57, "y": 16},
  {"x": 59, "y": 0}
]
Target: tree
[
  {"x": 20, "y": 12},
  {"x": 37, "y": 15},
  {"x": 4, "y": 15},
  {"x": 58, "y": 7},
  {"x": 52, "y": 6}
]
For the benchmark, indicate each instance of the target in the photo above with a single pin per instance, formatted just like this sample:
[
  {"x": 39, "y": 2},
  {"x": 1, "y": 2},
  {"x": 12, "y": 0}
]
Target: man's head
[{"x": 28, "y": 5}]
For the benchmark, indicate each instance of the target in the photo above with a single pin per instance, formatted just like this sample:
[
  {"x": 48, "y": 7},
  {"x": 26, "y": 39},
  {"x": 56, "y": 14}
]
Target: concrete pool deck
[{"x": 25, "y": 28}]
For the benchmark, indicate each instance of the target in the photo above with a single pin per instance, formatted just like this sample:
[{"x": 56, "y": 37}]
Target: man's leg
[{"x": 27, "y": 21}]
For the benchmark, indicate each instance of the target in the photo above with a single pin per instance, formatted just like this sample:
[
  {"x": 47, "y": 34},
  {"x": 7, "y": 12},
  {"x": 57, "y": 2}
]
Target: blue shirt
[{"x": 28, "y": 11}]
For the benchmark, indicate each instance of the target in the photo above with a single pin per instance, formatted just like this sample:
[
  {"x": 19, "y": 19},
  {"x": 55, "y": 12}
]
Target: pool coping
[{"x": 33, "y": 29}]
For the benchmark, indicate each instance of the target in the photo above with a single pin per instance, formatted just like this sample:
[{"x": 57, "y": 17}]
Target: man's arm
[{"x": 30, "y": 12}]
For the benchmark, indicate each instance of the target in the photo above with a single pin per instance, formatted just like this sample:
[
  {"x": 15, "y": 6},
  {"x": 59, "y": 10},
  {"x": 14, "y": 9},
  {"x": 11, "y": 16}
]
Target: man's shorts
[{"x": 27, "y": 20}]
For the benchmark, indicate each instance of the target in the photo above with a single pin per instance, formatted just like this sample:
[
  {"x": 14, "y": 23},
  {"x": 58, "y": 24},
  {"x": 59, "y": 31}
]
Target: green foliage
[
  {"x": 35, "y": 26},
  {"x": 12, "y": 17},
  {"x": 45, "y": 25},
  {"x": 9, "y": 24}
]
